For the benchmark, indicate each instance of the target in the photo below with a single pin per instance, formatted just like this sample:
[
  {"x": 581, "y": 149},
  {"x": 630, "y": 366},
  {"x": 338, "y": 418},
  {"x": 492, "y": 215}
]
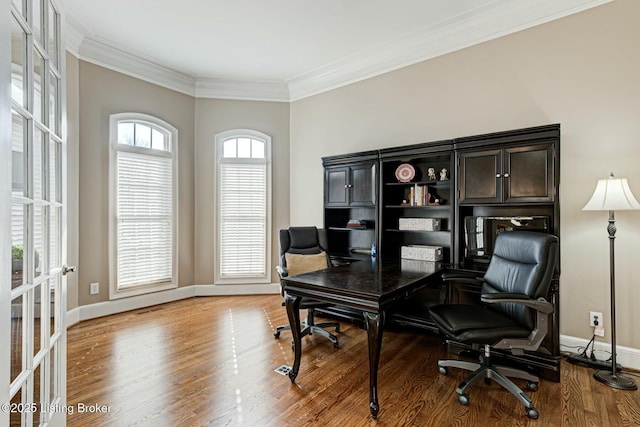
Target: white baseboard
[
  {"x": 106, "y": 308},
  {"x": 626, "y": 356},
  {"x": 218, "y": 290}
]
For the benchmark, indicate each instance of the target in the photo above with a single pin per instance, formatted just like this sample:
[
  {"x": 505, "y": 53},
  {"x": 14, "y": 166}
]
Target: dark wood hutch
[{"x": 509, "y": 177}]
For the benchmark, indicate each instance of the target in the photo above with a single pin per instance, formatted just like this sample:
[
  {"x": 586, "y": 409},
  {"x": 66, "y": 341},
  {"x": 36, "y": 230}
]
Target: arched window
[
  {"x": 243, "y": 208},
  {"x": 143, "y": 210}
]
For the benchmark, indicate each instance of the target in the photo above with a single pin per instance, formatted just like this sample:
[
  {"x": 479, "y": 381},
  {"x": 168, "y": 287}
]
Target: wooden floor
[{"x": 211, "y": 360}]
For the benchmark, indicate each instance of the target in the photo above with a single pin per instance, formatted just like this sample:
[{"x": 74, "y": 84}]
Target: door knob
[{"x": 68, "y": 269}]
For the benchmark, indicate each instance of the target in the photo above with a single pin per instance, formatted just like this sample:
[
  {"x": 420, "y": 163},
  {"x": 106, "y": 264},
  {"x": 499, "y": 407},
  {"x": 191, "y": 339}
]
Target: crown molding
[
  {"x": 73, "y": 34},
  {"x": 477, "y": 26},
  {"x": 489, "y": 22},
  {"x": 118, "y": 60},
  {"x": 242, "y": 90}
]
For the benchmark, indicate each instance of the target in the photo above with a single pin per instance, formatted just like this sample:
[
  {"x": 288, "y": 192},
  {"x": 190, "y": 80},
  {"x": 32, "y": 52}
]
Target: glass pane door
[{"x": 36, "y": 289}]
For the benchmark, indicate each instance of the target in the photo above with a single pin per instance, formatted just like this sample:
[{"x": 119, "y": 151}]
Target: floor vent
[{"x": 283, "y": 370}]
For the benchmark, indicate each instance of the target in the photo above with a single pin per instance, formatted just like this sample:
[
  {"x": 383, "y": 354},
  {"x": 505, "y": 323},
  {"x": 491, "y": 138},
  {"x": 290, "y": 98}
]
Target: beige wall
[
  {"x": 101, "y": 93},
  {"x": 98, "y": 93},
  {"x": 212, "y": 117},
  {"x": 581, "y": 71}
]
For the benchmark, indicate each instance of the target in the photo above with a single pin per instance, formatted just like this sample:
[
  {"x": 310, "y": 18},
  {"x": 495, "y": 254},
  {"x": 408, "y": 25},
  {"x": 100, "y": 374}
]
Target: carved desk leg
[
  {"x": 375, "y": 324},
  {"x": 292, "y": 303}
]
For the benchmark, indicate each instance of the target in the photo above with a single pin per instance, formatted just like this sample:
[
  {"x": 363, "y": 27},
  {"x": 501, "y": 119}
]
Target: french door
[{"x": 33, "y": 286}]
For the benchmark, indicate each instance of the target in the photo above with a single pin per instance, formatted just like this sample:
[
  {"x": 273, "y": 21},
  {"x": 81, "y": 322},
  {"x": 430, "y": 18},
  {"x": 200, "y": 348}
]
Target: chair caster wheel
[
  {"x": 276, "y": 334},
  {"x": 487, "y": 381},
  {"x": 335, "y": 345},
  {"x": 463, "y": 398},
  {"x": 336, "y": 329},
  {"x": 533, "y": 386},
  {"x": 443, "y": 370},
  {"x": 532, "y": 413}
]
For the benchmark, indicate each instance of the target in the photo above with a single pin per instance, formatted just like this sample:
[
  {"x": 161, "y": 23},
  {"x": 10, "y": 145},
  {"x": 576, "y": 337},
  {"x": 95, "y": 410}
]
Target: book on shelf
[
  {"x": 419, "y": 195},
  {"x": 359, "y": 224}
]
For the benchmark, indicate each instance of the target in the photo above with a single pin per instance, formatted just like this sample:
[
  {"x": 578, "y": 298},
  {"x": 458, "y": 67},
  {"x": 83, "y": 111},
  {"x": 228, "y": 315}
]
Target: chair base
[
  {"x": 309, "y": 327},
  {"x": 501, "y": 374}
]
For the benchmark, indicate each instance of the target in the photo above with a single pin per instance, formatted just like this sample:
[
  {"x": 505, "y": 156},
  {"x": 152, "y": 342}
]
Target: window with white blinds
[
  {"x": 243, "y": 208},
  {"x": 143, "y": 194}
]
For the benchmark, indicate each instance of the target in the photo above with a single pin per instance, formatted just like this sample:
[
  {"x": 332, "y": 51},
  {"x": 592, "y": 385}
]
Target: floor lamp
[{"x": 613, "y": 194}]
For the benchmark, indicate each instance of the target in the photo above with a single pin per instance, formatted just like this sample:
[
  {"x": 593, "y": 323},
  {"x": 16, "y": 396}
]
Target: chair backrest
[
  {"x": 523, "y": 262},
  {"x": 304, "y": 247}
]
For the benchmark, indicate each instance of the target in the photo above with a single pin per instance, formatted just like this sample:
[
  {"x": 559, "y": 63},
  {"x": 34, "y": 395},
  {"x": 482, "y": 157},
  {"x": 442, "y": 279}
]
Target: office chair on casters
[
  {"x": 515, "y": 314},
  {"x": 302, "y": 251}
]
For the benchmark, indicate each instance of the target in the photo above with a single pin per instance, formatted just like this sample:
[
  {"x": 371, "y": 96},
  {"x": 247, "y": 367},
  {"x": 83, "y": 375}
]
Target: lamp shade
[{"x": 612, "y": 194}]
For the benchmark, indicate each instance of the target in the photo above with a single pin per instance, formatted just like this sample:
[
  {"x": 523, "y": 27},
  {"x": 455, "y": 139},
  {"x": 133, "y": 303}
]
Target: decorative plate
[{"x": 405, "y": 172}]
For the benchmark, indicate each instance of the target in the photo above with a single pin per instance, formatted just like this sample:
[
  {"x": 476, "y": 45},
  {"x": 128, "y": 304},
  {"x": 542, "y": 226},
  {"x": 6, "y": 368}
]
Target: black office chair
[
  {"x": 302, "y": 251},
  {"x": 515, "y": 314}
]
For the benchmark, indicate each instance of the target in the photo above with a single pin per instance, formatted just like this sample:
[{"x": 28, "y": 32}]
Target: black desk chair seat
[
  {"x": 514, "y": 318},
  {"x": 301, "y": 251}
]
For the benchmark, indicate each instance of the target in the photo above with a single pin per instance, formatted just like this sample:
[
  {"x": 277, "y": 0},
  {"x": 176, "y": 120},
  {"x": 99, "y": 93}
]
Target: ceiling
[{"x": 287, "y": 49}]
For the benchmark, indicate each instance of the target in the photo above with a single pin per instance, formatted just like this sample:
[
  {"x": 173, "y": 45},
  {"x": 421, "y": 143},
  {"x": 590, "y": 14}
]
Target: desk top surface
[{"x": 371, "y": 283}]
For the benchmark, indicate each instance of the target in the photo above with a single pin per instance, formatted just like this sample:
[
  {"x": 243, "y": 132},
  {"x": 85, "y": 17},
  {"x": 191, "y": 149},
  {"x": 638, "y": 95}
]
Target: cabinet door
[
  {"x": 362, "y": 187},
  {"x": 480, "y": 177},
  {"x": 528, "y": 174},
  {"x": 336, "y": 186}
]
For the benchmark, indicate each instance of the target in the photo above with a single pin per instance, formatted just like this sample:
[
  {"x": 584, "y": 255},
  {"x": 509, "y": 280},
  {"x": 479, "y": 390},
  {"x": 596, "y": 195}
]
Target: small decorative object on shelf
[
  {"x": 434, "y": 200},
  {"x": 421, "y": 252},
  {"x": 405, "y": 172},
  {"x": 419, "y": 224},
  {"x": 443, "y": 174},
  {"x": 432, "y": 174}
]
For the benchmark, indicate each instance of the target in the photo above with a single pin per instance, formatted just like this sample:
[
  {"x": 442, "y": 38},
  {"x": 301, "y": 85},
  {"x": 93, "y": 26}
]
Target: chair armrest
[
  {"x": 282, "y": 271},
  {"x": 541, "y": 305},
  {"x": 461, "y": 277}
]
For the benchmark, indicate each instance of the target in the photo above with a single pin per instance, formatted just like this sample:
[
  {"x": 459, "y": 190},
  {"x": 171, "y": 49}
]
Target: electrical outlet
[
  {"x": 595, "y": 319},
  {"x": 94, "y": 288}
]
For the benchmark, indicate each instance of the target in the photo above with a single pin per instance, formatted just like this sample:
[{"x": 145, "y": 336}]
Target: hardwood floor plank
[{"x": 210, "y": 361}]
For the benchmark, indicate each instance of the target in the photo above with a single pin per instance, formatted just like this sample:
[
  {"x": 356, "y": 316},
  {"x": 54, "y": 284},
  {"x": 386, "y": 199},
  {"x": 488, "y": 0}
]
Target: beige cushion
[{"x": 298, "y": 263}]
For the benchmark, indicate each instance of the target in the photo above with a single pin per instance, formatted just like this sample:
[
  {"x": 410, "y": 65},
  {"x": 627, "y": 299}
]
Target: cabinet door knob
[
  {"x": 506, "y": 175},
  {"x": 497, "y": 175}
]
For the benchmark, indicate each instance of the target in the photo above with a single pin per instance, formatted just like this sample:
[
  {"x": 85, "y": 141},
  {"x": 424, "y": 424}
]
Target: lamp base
[{"x": 617, "y": 380}]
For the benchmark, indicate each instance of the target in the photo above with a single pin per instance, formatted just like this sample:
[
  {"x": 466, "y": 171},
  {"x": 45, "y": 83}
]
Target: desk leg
[
  {"x": 292, "y": 303},
  {"x": 375, "y": 324}
]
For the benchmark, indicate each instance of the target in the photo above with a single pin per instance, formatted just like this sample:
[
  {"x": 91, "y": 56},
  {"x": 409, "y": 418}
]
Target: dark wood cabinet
[
  {"x": 352, "y": 185},
  {"x": 350, "y": 193},
  {"x": 520, "y": 174},
  {"x": 528, "y": 174},
  {"x": 497, "y": 176},
  {"x": 336, "y": 184}
]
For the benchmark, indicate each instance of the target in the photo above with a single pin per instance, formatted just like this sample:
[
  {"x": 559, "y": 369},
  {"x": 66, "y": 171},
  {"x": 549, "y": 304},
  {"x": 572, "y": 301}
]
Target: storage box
[
  {"x": 415, "y": 266},
  {"x": 421, "y": 252},
  {"x": 419, "y": 224}
]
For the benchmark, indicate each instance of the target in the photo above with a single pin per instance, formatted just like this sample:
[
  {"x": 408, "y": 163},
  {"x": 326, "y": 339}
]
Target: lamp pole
[
  {"x": 613, "y": 378},
  {"x": 610, "y": 195}
]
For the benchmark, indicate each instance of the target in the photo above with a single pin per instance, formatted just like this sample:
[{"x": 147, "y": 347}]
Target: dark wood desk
[{"x": 370, "y": 286}]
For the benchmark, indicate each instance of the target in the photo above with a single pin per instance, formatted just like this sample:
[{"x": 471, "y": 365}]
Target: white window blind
[
  {"x": 243, "y": 219},
  {"x": 144, "y": 210}
]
